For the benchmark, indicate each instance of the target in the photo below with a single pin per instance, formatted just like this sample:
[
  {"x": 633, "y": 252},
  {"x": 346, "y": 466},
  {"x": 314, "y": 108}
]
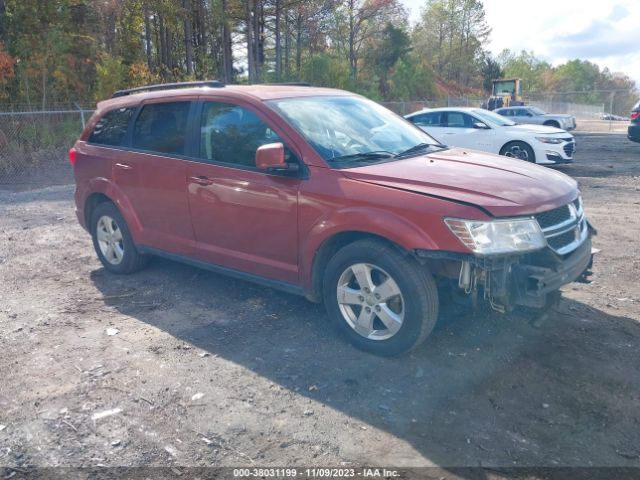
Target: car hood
[
  {"x": 502, "y": 186},
  {"x": 539, "y": 129}
]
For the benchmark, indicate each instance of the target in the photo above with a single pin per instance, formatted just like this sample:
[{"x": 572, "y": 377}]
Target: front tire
[
  {"x": 382, "y": 301},
  {"x": 113, "y": 242},
  {"x": 552, "y": 123},
  {"x": 519, "y": 150}
]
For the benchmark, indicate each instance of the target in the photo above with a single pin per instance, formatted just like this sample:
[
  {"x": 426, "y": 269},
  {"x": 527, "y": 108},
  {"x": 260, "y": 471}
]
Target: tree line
[{"x": 83, "y": 50}]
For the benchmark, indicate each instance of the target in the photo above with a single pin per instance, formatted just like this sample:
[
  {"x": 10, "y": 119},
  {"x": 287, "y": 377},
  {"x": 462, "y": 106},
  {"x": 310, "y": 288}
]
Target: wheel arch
[
  {"x": 333, "y": 244},
  {"x": 552, "y": 123},
  {"x": 90, "y": 204},
  {"x": 102, "y": 190},
  {"x": 517, "y": 140}
]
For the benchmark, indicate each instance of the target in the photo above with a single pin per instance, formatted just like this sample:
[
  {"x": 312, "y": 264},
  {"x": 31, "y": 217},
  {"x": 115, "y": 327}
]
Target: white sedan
[{"x": 483, "y": 130}]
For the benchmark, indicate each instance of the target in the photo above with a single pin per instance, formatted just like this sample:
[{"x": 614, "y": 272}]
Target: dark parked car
[
  {"x": 326, "y": 194},
  {"x": 633, "y": 131}
]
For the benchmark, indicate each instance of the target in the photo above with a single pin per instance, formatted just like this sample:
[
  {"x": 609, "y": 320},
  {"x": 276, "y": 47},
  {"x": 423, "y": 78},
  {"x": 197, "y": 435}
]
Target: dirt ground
[{"x": 178, "y": 366}]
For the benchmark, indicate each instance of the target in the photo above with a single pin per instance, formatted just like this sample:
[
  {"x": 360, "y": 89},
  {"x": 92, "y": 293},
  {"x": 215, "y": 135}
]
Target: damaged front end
[{"x": 530, "y": 279}]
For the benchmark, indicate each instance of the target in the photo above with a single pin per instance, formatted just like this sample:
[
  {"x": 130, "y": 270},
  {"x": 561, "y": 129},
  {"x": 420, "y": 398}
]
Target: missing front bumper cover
[{"x": 525, "y": 280}]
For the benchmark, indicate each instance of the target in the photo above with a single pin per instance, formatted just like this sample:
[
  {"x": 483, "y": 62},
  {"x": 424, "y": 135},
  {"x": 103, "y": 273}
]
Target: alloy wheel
[
  {"x": 110, "y": 240},
  {"x": 370, "y": 301},
  {"x": 516, "y": 151}
]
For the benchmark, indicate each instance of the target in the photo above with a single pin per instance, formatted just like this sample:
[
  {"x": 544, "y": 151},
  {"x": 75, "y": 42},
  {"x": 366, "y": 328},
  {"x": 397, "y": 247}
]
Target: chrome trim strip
[
  {"x": 576, "y": 243},
  {"x": 562, "y": 228},
  {"x": 571, "y": 221}
]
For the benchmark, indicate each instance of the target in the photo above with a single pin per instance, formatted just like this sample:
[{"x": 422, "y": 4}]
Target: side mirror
[
  {"x": 480, "y": 126},
  {"x": 271, "y": 157}
]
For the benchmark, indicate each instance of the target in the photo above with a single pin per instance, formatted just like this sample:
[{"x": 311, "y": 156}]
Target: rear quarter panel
[{"x": 94, "y": 174}]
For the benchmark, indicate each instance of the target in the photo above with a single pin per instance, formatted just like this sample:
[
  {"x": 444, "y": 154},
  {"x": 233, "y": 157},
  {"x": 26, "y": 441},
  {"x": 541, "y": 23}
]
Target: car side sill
[{"x": 248, "y": 277}]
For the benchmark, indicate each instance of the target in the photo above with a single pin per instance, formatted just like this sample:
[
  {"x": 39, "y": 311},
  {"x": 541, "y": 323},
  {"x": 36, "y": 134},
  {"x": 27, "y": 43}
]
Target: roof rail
[
  {"x": 289, "y": 84},
  {"x": 168, "y": 86}
]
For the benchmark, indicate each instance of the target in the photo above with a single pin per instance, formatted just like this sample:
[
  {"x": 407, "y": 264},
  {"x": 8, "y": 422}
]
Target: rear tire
[
  {"x": 519, "y": 150},
  {"x": 396, "y": 311},
  {"x": 112, "y": 240}
]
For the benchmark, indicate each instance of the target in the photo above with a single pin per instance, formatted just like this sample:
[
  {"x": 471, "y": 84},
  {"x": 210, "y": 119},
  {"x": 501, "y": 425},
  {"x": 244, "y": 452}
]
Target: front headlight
[
  {"x": 552, "y": 140},
  {"x": 515, "y": 235}
]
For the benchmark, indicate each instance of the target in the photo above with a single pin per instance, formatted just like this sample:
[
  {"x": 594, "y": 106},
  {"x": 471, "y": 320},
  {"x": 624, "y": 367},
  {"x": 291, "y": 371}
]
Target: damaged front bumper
[{"x": 529, "y": 280}]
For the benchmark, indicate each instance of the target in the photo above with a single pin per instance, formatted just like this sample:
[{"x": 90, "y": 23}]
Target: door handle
[
  {"x": 201, "y": 180},
  {"x": 124, "y": 166}
]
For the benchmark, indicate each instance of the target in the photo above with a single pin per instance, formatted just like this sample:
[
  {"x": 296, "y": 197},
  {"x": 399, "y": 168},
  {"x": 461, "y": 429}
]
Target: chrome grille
[
  {"x": 565, "y": 228},
  {"x": 553, "y": 217}
]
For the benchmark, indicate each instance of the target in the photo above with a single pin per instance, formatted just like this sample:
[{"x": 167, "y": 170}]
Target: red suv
[{"x": 326, "y": 194}]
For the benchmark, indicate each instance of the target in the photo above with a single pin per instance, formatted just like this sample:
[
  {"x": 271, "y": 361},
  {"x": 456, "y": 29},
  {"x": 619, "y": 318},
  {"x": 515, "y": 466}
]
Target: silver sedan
[{"x": 534, "y": 115}]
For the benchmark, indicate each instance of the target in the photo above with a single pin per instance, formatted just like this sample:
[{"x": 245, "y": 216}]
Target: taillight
[
  {"x": 72, "y": 157},
  {"x": 635, "y": 115}
]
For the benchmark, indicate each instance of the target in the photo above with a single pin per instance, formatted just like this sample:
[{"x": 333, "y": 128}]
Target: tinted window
[
  {"x": 522, "y": 112},
  {"x": 161, "y": 127},
  {"x": 459, "y": 120},
  {"x": 427, "y": 119},
  {"x": 232, "y": 134},
  {"x": 112, "y": 127},
  {"x": 505, "y": 112}
]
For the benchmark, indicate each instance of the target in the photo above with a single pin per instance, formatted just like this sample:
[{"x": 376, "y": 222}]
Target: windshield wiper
[
  {"x": 418, "y": 148},
  {"x": 365, "y": 156}
]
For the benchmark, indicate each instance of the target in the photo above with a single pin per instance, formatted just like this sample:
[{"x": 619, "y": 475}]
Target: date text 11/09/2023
[{"x": 314, "y": 473}]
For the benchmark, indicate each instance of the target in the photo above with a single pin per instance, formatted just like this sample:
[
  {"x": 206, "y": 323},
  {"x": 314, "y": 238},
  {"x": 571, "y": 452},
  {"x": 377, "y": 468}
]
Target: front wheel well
[
  {"x": 328, "y": 249},
  {"x": 91, "y": 203},
  {"x": 552, "y": 123}
]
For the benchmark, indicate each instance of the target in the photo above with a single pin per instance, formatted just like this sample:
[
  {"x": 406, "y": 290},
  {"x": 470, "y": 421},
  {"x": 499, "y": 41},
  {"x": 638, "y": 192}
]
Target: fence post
[
  {"x": 613, "y": 94},
  {"x": 81, "y": 114}
]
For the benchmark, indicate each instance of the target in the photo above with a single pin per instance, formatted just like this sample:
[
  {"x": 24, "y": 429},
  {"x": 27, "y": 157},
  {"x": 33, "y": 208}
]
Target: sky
[{"x": 604, "y": 32}]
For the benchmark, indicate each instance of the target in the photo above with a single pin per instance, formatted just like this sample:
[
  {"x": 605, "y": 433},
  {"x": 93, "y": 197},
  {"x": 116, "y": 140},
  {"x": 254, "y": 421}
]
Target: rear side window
[
  {"x": 162, "y": 127},
  {"x": 232, "y": 134},
  {"x": 459, "y": 120},
  {"x": 112, "y": 127},
  {"x": 427, "y": 119}
]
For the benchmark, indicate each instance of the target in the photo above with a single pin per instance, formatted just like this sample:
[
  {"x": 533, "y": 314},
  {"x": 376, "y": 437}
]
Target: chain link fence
[
  {"x": 595, "y": 110},
  {"x": 34, "y": 144}
]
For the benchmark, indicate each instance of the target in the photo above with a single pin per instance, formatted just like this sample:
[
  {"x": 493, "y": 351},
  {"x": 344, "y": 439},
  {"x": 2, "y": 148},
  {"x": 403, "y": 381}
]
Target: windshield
[
  {"x": 494, "y": 118},
  {"x": 536, "y": 110},
  {"x": 346, "y": 128}
]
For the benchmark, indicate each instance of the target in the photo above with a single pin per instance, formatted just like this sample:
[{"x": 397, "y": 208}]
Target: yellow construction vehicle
[{"x": 505, "y": 92}]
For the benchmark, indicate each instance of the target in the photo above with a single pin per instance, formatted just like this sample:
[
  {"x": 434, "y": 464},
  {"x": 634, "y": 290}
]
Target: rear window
[
  {"x": 162, "y": 128},
  {"x": 112, "y": 127}
]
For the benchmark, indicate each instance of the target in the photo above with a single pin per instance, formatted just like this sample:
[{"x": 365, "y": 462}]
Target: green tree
[
  {"x": 322, "y": 70},
  {"x": 412, "y": 79},
  {"x": 450, "y": 36},
  {"x": 390, "y": 45},
  {"x": 490, "y": 70},
  {"x": 111, "y": 75}
]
